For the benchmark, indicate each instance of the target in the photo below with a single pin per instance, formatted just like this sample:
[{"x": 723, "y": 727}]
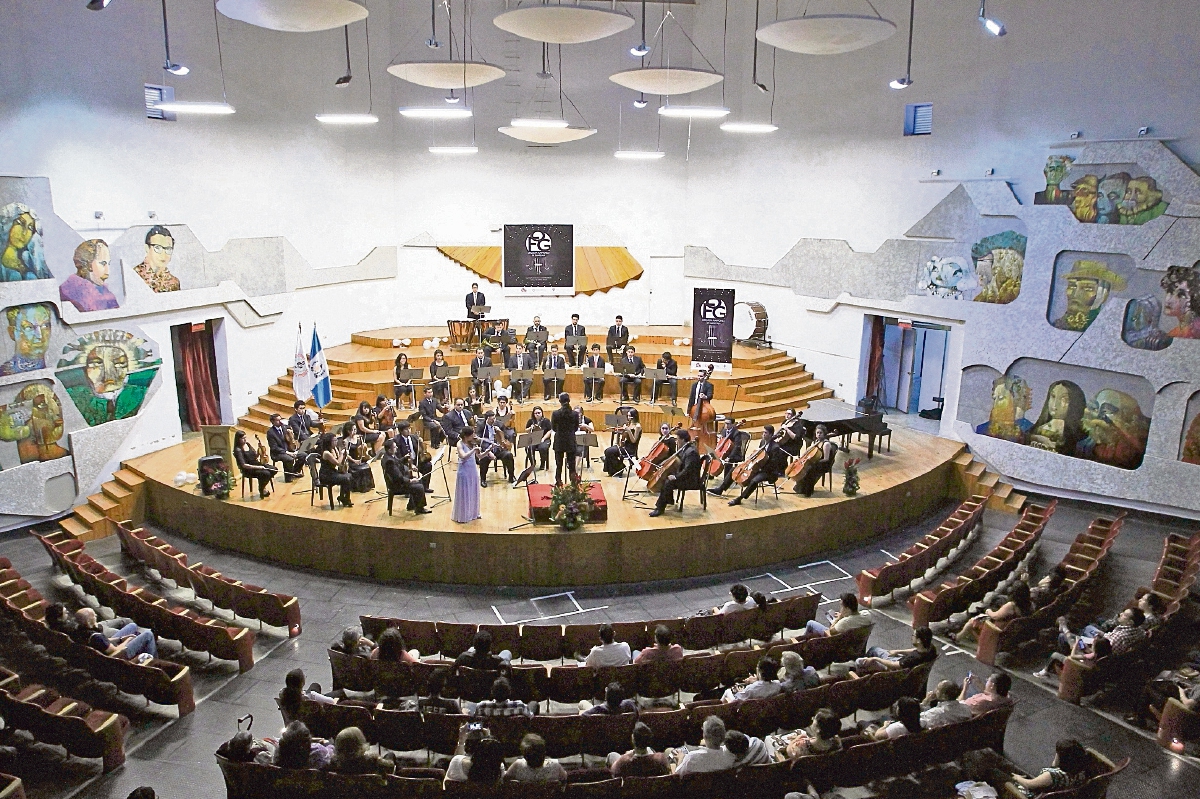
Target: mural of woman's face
[
  {"x": 22, "y": 231},
  {"x": 98, "y": 271},
  {"x": 1178, "y": 302},
  {"x": 159, "y": 251},
  {"x": 1059, "y": 402},
  {"x": 106, "y": 369}
]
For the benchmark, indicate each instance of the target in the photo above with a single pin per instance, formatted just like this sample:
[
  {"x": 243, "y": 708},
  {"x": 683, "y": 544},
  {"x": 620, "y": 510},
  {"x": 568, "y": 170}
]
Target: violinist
[
  {"x": 593, "y": 388},
  {"x": 791, "y": 433},
  {"x": 358, "y": 457},
  {"x": 429, "y": 409},
  {"x": 702, "y": 388},
  {"x": 538, "y": 420},
  {"x": 410, "y": 446},
  {"x": 366, "y": 428},
  {"x": 505, "y": 418},
  {"x": 686, "y": 476},
  {"x": 626, "y": 447},
  {"x": 774, "y": 464},
  {"x": 284, "y": 447},
  {"x": 809, "y": 479},
  {"x": 402, "y": 388},
  {"x": 671, "y": 366},
  {"x": 335, "y": 467},
  {"x": 482, "y": 387},
  {"x": 634, "y": 378},
  {"x": 385, "y": 415},
  {"x": 441, "y": 386},
  {"x": 249, "y": 464},
  {"x": 398, "y": 476},
  {"x": 494, "y": 448},
  {"x": 737, "y": 453}
]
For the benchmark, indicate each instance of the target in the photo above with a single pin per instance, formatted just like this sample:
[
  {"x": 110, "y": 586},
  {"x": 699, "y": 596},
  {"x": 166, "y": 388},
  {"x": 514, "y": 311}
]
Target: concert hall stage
[{"x": 896, "y": 487}]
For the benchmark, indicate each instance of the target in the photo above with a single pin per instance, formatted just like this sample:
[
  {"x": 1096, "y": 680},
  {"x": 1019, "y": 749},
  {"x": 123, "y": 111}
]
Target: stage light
[
  {"x": 901, "y": 83},
  {"x": 343, "y": 81},
  {"x": 454, "y": 150},
  {"x": 639, "y": 50},
  {"x": 98, "y": 5},
  {"x": 452, "y": 98},
  {"x": 640, "y": 102},
  {"x": 992, "y": 26},
  {"x": 435, "y": 112},
  {"x": 639, "y": 155},
  {"x": 694, "y": 111},
  {"x": 538, "y": 122},
  {"x": 347, "y": 119},
  {"x": 176, "y": 69},
  {"x": 207, "y": 109},
  {"x": 748, "y": 127},
  {"x": 168, "y": 64}
]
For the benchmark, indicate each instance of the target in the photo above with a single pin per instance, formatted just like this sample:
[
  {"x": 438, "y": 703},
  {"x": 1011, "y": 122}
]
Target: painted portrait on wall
[
  {"x": 1142, "y": 327},
  {"x": 88, "y": 289},
  {"x": 999, "y": 263},
  {"x": 1189, "y": 450},
  {"x": 33, "y": 420},
  {"x": 949, "y": 278},
  {"x": 1102, "y": 194},
  {"x": 107, "y": 374},
  {"x": 1181, "y": 300},
  {"x": 28, "y": 328},
  {"x": 1082, "y": 285},
  {"x": 1010, "y": 400},
  {"x": 1055, "y": 171},
  {"x": 154, "y": 268},
  {"x": 21, "y": 254}
]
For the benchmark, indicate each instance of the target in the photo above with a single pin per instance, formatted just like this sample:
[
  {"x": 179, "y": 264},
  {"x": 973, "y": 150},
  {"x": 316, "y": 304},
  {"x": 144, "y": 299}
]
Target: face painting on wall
[
  {"x": 87, "y": 289},
  {"x": 999, "y": 263},
  {"x": 160, "y": 248},
  {"x": 1085, "y": 289},
  {"x": 107, "y": 374},
  {"x": 21, "y": 254},
  {"x": 947, "y": 278},
  {"x": 34, "y": 421},
  {"x": 1181, "y": 300},
  {"x": 1190, "y": 451},
  {"x": 28, "y": 328}
]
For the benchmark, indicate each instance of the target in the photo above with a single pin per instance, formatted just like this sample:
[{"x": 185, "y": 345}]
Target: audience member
[
  {"x": 142, "y": 792},
  {"x": 58, "y": 619},
  {"x": 129, "y": 642},
  {"x": 663, "y": 649},
  {"x": 1154, "y": 607},
  {"x": 981, "y": 696},
  {"x": 1159, "y": 690},
  {"x": 1018, "y": 605},
  {"x": 746, "y": 749},
  {"x": 907, "y": 715},
  {"x": 1071, "y": 762},
  {"x": 533, "y": 765},
  {"x": 614, "y": 703},
  {"x": 391, "y": 648},
  {"x": 436, "y": 703},
  {"x": 880, "y": 659},
  {"x": 641, "y": 760},
  {"x": 294, "y": 693},
  {"x": 608, "y": 652},
  {"x": 847, "y": 618},
  {"x": 796, "y": 675},
  {"x": 480, "y": 656},
  {"x": 243, "y": 748},
  {"x": 1047, "y": 588},
  {"x": 478, "y": 758},
  {"x": 352, "y": 642},
  {"x": 710, "y": 756},
  {"x": 820, "y": 737},
  {"x": 502, "y": 703},
  {"x": 297, "y": 749},
  {"x": 944, "y": 707},
  {"x": 741, "y": 600},
  {"x": 765, "y": 685},
  {"x": 352, "y": 756},
  {"x": 1126, "y": 633}
]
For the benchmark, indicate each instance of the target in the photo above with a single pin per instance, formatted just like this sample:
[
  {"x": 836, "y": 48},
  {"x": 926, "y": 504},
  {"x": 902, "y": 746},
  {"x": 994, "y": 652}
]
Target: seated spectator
[
  {"x": 1048, "y": 587},
  {"x": 502, "y": 703},
  {"x": 1158, "y": 691},
  {"x": 297, "y": 749},
  {"x": 765, "y": 685},
  {"x": 1018, "y": 605},
  {"x": 130, "y": 642},
  {"x": 907, "y": 715},
  {"x": 1070, "y": 767},
  {"x": 478, "y": 758},
  {"x": 641, "y": 760},
  {"x": 746, "y": 749},
  {"x": 820, "y": 737},
  {"x": 614, "y": 703},
  {"x": 761, "y": 600},
  {"x": 796, "y": 675},
  {"x": 1085, "y": 651},
  {"x": 352, "y": 642},
  {"x": 142, "y": 792},
  {"x": 533, "y": 765},
  {"x": 848, "y": 617},
  {"x": 1154, "y": 607},
  {"x": 57, "y": 619},
  {"x": 994, "y": 692},
  {"x": 944, "y": 707},
  {"x": 436, "y": 703},
  {"x": 608, "y": 652},
  {"x": 663, "y": 649},
  {"x": 351, "y": 755},
  {"x": 480, "y": 656},
  {"x": 1126, "y": 633},
  {"x": 294, "y": 693},
  {"x": 243, "y": 748},
  {"x": 1106, "y": 625},
  {"x": 741, "y": 600},
  {"x": 391, "y": 648},
  {"x": 710, "y": 756},
  {"x": 880, "y": 659}
]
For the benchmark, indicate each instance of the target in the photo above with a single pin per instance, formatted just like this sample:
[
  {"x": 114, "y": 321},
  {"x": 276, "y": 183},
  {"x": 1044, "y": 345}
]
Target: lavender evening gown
[{"x": 466, "y": 486}]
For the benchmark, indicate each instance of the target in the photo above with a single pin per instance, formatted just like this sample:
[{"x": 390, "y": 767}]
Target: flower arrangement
[
  {"x": 850, "y": 483},
  {"x": 215, "y": 479},
  {"x": 570, "y": 505}
]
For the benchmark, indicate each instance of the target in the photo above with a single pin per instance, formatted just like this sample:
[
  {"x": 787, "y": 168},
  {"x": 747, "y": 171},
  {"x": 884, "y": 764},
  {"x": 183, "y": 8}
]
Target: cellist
[
  {"x": 686, "y": 476},
  {"x": 738, "y": 439},
  {"x": 774, "y": 464}
]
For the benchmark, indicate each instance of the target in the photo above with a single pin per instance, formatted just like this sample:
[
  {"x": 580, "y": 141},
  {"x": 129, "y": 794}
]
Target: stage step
[
  {"x": 124, "y": 498},
  {"x": 75, "y": 528},
  {"x": 974, "y": 476},
  {"x": 98, "y": 526}
]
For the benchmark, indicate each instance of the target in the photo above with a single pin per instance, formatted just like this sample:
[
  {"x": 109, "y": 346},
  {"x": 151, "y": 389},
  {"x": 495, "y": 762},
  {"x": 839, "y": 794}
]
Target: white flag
[{"x": 302, "y": 382}]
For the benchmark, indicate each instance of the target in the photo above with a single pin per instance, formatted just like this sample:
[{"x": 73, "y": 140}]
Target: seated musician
[
  {"x": 664, "y": 438},
  {"x": 634, "y": 378},
  {"x": 736, "y": 454},
  {"x": 456, "y": 421},
  {"x": 306, "y": 425},
  {"x": 410, "y": 446},
  {"x": 482, "y": 387},
  {"x": 686, "y": 477},
  {"x": 791, "y": 433},
  {"x": 554, "y": 360},
  {"x": 536, "y": 348},
  {"x": 429, "y": 408},
  {"x": 402, "y": 388},
  {"x": 493, "y": 448},
  {"x": 671, "y": 366},
  {"x": 284, "y": 447},
  {"x": 521, "y": 360},
  {"x": 474, "y": 402},
  {"x": 333, "y": 472},
  {"x": 770, "y": 471},
  {"x": 626, "y": 446},
  {"x": 441, "y": 387},
  {"x": 359, "y": 459},
  {"x": 398, "y": 477},
  {"x": 575, "y": 355},
  {"x": 366, "y": 427},
  {"x": 538, "y": 419},
  {"x": 593, "y": 388},
  {"x": 385, "y": 416},
  {"x": 248, "y": 462},
  {"x": 586, "y": 425},
  {"x": 495, "y": 339},
  {"x": 505, "y": 417},
  {"x": 808, "y": 481}
]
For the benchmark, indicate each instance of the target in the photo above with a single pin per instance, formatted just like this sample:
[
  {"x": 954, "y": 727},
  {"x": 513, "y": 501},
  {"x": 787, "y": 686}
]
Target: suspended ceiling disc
[
  {"x": 666, "y": 80},
  {"x": 547, "y": 135},
  {"x": 563, "y": 24},
  {"x": 446, "y": 74},
  {"x": 826, "y": 34},
  {"x": 293, "y": 16}
]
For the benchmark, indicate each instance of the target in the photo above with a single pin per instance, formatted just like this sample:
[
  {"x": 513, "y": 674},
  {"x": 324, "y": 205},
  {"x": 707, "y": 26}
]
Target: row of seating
[
  {"x": 953, "y": 596},
  {"x": 568, "y": 684},
  {"x": 919, "y": 562},
  {"x": 853, "y": 766},
  {"x": 193, "y": 630},
  {"x": 1176, "y": 573},
  {"x": 159, "y": 681},
  {"x": 11, "y": 787},
  {"x": 55, "y": 719},
  {"x": 568, "y": 735},
  {"x": 246, "y": 600},
  {"x": 1082, "y": 563},
  {"x": 554, "y": 642}
]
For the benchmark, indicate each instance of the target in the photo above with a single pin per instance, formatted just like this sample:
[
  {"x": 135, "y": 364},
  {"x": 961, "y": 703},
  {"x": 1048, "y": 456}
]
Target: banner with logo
[
  {"x": 539, "y": 260},
  {"x": 712, "y": 328}
]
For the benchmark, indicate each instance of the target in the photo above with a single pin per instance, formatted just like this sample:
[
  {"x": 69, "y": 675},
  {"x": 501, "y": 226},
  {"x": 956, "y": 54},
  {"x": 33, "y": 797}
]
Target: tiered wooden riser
[
  {"x": 973, "y": 477},
  {"x": 119, "y": 499}
]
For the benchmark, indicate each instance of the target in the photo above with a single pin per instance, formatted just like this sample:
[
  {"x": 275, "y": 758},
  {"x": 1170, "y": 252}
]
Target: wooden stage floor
[{"x": 896, "y": 487}]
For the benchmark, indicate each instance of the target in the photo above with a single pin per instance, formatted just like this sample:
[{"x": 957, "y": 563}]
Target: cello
[
  {"x": 800, "y": 466},
  {"x": 703, "y": 418},
  {"x": 717, "y": 464},
  {"x": 660, "y": 452},
  {"x": 669, "y": 467}
]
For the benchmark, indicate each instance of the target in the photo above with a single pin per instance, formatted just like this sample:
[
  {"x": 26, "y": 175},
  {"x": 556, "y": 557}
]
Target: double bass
[{"x": 703, "y": 419}]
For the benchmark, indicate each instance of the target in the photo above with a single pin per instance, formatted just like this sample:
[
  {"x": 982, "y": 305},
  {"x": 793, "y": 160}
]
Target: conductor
[{"x": 564, "y": 422}]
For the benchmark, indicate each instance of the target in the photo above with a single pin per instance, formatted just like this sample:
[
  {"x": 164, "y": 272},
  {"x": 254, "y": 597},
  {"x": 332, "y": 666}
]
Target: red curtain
[
  {"x": 195, "y": 350},
  {"x": 875, "y": 364}
]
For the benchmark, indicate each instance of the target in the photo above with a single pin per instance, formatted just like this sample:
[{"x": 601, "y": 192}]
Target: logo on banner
[
  {"x": 538, "y": 244},
  {"x": 713, "y": 313}
]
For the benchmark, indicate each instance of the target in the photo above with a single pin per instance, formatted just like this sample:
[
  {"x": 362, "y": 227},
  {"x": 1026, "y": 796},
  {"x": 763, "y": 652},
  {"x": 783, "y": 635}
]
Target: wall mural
[
  {"x": 107, "y": 374},
  {"x": 947, "y": 278},
  {"x": 1082, "y": 284},
  {"x": 28, "y": 328},
  {"x": 33, "y": 420},
  {"x": 1110, "y": 427},
  {"x": 160, "y": 247},
  {"x": 999, "y": 263},
  {"x": 1189, "y": 447},
  {"x": 1113, "y": 198},
  {"x": 88, "y": 289},
  {"x": 21, "y": 253}
]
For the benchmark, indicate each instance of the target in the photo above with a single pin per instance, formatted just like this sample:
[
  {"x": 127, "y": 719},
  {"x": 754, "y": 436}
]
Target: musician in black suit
[
  {"x": 495, "y": 338},
  {"x": 475, "y": 298},
  {"x": 304, "y": 426},
  {"x": 293, "y": 462},
  {"x": 736, "y": 454},
  {"x": 397, "y": 476},
  {"x": 481, "y": 385},
  {"x": 564, "y": 422},
  {"x": 554, "y": 360},
  {"x": 672, "y": 368},
  {"x": 521, "y": 360},
  {"x": 493, "y": 448},
  {"x": 809, "y": 479},
  {"x": 593, "y": 388},
  {"x": 618, "y": 337},
  {"x": 703, "y": 387},
  {"x": 686, "y": 477},
  {"x": 575, "y": 355},
  {"x": 429, "y": 408},
  {"x": 456, "y": 421},
  {"x": 635, "y": 378},
  {"x": 791, "y": 433},
  {"x": 409, "y": 446},
  {"x": 776, "y": 464},
  {"x": 537, "y": 348}
]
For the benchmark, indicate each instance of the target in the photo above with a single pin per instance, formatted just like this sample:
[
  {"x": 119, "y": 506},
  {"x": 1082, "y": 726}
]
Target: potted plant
[
  {"x": 850, "y": 481},
  {"x": 570, "y": 505}
]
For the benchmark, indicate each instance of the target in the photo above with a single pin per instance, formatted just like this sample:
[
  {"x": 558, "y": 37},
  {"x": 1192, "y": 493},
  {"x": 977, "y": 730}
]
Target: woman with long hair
[
  {"x": 466, "y": 486},
  {"x": 1019, "y": 604},
  {"x": 333, "y": 459},
  {"x": 402, "y": 388},
  {"x": 1059, "y": 427},
  {"x": 248, "y": 463}
]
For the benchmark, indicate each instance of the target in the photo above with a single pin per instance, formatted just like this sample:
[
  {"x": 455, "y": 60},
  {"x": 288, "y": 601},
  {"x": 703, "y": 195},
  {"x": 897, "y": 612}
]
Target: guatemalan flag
[
  {"x": 302, "y": 383},
  {"x": 322, "y": 390}
]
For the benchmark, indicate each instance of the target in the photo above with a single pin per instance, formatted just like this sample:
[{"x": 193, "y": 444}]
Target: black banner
[
  {"x": 712, "y": 328},
  {"x": 539, "y": 259}
]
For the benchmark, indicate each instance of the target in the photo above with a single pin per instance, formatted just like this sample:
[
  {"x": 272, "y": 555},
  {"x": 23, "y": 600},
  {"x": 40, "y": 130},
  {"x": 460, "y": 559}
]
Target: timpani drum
[
  {"x": 749, "y": 321},
  {"x": 460, "y": 333}
]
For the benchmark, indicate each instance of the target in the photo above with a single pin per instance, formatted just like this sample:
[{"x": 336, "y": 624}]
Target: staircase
[
  {"x": 973, "y": 477},
  {"x": 121, "y": 498}
]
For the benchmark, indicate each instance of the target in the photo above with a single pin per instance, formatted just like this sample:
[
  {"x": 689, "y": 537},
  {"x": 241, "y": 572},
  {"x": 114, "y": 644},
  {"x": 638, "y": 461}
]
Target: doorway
[
  {"x": 197, "y": 387},
  {"x": 907, "y": 364}
]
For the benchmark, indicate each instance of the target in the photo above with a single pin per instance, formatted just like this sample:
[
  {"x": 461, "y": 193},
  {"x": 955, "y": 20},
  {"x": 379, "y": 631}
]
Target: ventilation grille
[
  {"x": 159, "y": 94},
  {"x": 918, "y": 119}
]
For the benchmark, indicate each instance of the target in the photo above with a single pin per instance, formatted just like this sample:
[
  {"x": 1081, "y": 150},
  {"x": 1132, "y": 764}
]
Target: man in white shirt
[
  {"x": 764, "y": 686},
  {"x": 848, "y": 617},
  {"x": 947, "y": 709},
  {"x": 712, "y": 756},
  {"x": 608, "y": 652},
  {"x": 741, "y": 600}
]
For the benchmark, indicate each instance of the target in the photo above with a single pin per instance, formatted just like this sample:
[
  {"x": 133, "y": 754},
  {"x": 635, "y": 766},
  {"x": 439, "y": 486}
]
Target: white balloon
[
  {"x": 427, "y": 344},
  {"x": 687, "y": 342},
  {"x": 677, "y": 342},
  {"x": 406, "y": 341},
  {"x": 396, "y": 342}
]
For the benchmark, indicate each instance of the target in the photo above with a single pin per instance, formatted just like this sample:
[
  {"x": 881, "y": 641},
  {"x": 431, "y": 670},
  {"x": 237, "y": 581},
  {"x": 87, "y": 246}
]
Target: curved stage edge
[{"x": 897, "y": 488}]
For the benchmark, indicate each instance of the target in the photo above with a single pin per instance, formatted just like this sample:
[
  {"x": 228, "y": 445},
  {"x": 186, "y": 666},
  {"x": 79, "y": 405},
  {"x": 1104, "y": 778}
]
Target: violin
[
  {"x": 655, "y": 457},
  {"x": 261, "y": 452},
  {"x": 289, "y": 439},
  {"x": 386, "y": 418}
]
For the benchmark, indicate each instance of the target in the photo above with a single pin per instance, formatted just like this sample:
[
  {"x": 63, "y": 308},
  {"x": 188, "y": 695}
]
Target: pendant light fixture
[
  {"x": 641, "y": 50},
  {"x": 665, "y": 79},
  {"x": 349, "y": 76},
  {"x": 906, "y": 81},
  {"x": 350, "y": 118},
  {"x": 992, "y": 26},
  {"x": 455, "y": 74},
  {"x": 168, "y": 64},
  {"x": 827, "y": 34},
  {"x": 553, "y": 23},
  {"x": 294, "y": 16},
  {"x": 636, "y": 155},
  {"x": 200, "y": 108},
  {"x": 548, "y": 127},
  {"x": 745, "y": 126}
]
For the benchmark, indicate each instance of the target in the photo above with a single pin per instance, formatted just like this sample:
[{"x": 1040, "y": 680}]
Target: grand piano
[{"x": 843, "y": 420}]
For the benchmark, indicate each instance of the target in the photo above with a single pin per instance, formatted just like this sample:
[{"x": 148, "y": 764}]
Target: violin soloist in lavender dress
[{"x": 466, "y": 487}]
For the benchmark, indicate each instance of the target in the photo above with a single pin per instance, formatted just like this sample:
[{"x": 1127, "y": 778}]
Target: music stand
[
  {"x": 521, "y": 374},
  {"x": 614, "y": 343},
  {"x": 579, "y": 345},
  {"x": 592, "y": 374},
  {"x": 443, "y": 374},
  {"x": 556, "y": 377},
  {"x": 527, "y": 441},
  {"x": 478, "y": 311},
  {"x": 439, "y": 462},
  {"x": 410, "y": 376},
  {"x": 536, "y": 341},
  {"x": 654, "y": 375},
  {"x": 486, "y": 375},
  {"x": 583, "y": 442}
]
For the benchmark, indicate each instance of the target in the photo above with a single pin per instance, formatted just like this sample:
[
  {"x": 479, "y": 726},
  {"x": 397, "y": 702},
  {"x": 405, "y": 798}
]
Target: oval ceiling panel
[
  {"x": 826, "y": 34},
  {"x": 547, "y": 135},
  {"x": 293, "y": 16},
  {"x": 666, "y": 80},
  {"x": 446, "y": 74},
  {"x": 563, "y": 24}
]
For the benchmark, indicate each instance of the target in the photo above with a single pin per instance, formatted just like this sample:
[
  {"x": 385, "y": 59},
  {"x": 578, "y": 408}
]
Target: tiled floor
[{"x": 176, "y": 756}]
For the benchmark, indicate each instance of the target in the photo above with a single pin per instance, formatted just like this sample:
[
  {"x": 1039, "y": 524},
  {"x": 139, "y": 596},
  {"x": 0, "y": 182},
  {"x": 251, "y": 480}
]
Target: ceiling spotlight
[
  {"x": 639, "y": 50},
  {"x": 454, "y": 150},
  {"x": 694, "y": 111},
  {"x": 435, "y": 112},
  {"x": 176, "y": 69},
  {"x": 347, "y": 119},
  {"x": 168, "y": 64},
  {"x": 992, "y": 26},
  {"x": 432, "y": 43},
  {"x": 901, "y": 83},
  {"x": 452, "y": 98},
  {"x": 640, "y": 102},
  {"x": 98, "y": 5},
  {"x": 538, "y": 122},
  {"x": 639, "y": 155},
  {"x": 906, "y": 81},
  {"x": 749, "y": 127},
  {"x": 344, "y": 80}
]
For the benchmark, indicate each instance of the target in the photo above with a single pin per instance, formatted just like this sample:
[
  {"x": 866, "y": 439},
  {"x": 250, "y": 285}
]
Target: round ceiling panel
[
  {"x": 446, "y": 74},
  {"x": 547, "y": 135},
  {"x": 293, "y": 16},
  {"x": 563, "y": 24},
  {"x": 666, "y": 80},
  {"x": 826, "y": 34}
]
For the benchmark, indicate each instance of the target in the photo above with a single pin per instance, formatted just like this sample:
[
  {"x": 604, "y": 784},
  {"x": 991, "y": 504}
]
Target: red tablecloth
[{"x": 539, "y": 502}]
